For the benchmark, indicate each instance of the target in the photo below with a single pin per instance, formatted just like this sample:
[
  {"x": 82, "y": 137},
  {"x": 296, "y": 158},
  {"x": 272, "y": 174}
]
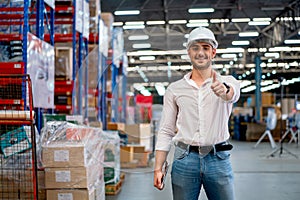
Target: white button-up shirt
[{"x": 195, "y": 115}]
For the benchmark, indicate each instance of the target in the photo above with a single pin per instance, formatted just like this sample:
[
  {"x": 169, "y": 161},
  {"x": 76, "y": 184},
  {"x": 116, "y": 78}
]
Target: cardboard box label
[
  {"x": 63, "y": 176},
  {"x": 61, "y": 156},
  {"x": 65, "y": 196}
]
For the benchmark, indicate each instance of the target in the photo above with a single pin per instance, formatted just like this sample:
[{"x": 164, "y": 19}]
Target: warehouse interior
[{"x": 82, "y": 86}]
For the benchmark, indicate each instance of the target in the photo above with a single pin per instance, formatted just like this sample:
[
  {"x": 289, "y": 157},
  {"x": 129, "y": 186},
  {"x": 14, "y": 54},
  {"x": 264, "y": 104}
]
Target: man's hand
[
  {"x": 158, "y": 177},
  {"x": 218, "y": 87}
]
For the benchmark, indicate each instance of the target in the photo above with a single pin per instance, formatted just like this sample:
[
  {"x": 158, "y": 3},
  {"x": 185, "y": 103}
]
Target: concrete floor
[{"x": 257, "y": 175}]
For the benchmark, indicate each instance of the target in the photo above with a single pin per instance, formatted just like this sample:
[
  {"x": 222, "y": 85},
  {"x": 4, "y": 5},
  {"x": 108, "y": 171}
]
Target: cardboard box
[
  {"x": 134, "y": 154},
  {"x": 139, "y": 134},
  {"x": 116, "y": 126},
  {"x": 64, "y": 155},
  {"x": 79, "y": 194},
  {"x": 80, "y": 177}
]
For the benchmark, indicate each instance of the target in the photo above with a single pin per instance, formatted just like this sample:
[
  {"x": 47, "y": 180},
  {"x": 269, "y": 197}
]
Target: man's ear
[{"x": 214, "y": 52}]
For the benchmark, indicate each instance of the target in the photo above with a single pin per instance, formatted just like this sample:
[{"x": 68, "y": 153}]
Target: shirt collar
[{"x": 188, "y": 79}]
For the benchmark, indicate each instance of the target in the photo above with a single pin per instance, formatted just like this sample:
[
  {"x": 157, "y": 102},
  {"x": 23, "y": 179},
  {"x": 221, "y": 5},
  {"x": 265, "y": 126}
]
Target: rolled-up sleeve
[{"x": 167, "y": 129}]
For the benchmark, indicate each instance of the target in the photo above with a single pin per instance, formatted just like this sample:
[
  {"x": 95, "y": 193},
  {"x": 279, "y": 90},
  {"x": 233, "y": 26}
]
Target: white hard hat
[{"x": 202, "y": 33}]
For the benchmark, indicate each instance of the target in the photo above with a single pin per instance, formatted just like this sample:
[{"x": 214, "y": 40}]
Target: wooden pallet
[{"x": 113, "y": 189}]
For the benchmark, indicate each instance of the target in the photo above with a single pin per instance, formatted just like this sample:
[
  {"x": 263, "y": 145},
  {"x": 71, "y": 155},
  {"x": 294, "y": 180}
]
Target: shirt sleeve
[{"x": 167, "y": 128}]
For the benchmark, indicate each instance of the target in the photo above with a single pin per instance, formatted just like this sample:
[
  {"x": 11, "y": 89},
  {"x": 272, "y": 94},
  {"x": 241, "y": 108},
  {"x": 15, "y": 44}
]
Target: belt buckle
[{"x": 204, "y": 150}]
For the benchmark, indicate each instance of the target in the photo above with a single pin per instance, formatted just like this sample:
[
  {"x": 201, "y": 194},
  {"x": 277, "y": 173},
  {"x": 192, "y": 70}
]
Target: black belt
[{"x": 223, "y": 146}]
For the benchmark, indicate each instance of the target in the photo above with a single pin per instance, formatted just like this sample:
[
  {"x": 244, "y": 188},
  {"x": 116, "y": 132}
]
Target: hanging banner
[
  {"x": 86, "y": 20},
  {"x": 40, "y": 67},
  {"x": 79, "y": 16},
  {"x": 118, "y": 46}
]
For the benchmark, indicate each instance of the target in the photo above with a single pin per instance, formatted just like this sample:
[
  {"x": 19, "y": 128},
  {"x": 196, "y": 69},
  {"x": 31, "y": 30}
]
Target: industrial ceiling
[{"x": 229, "y": 18}]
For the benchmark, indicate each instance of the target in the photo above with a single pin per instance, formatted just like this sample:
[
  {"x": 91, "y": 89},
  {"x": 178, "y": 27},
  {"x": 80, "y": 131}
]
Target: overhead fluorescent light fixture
[
  {"x": 117, "y": 24},
  {"x": 240, "y": 20},
  {"x": 138, "y": 26},
  {"x": 201, "y": 10},
  {"x": 127, "y": 12},
  {"x": 205, "y": 24},
  {"x": 258, "y": 23},
  {"x": 177, "y": 21},
  {"x": 160, "y": 88},
  {"x": 249, "y": 34},
  {"x": 138, "y": 37},
  {"x": 275, "y": 55},
  {"x": 134, "y": 23},
  {"x": 240, "y": 42},
  {"x": 228, "y": 55},
  {"x": 215, "y": 21},
  {"x": 155, "y": 22},
  {"x": 141, "y": 46},
  {"x": 145, "y": 58},
  {"x": 197, "y": 23},
  {"x": 291, "y": 41},
  {"x": 145, "y": 92},
  {"x": 231, "y": 50}
]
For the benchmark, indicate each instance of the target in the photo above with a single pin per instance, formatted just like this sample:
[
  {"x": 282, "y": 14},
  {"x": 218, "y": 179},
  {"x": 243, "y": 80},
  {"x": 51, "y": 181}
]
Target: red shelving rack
[{"x": 18, "y": 164}]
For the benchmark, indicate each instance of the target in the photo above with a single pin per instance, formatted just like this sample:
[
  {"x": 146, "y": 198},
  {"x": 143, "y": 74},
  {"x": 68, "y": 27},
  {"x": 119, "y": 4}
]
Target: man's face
[{"x": 201, "y": 55}]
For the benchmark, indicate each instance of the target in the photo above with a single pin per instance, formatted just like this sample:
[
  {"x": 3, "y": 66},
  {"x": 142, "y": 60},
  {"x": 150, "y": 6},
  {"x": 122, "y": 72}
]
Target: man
[{"x": 195, "y": 118}]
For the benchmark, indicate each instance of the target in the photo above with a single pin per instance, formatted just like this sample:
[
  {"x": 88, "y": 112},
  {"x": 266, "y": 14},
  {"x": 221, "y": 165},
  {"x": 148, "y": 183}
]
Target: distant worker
[{"x": 195, "y": 118}]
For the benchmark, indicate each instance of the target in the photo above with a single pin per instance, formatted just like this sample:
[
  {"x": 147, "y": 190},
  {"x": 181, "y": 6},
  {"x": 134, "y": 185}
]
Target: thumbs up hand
[{"x": 218, "y": 87}]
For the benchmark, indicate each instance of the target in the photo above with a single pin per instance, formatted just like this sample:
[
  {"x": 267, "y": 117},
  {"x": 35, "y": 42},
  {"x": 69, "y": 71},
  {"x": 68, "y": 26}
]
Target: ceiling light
[
  {"x": 155, "y": 22},
  {"x": 138, "y": 37},
  {"x": 185, "y": 57},
  {"x": 117, "y": 23},
  {"x": 201, "y": 10},
  {"x": 197, "y": 24},
  {"x": 258, "y": 23},
  {"x": 291, "y": 41},
  {"x": 145, "y": 58},
  {"x": 198, "y": 21},
  {"x": 127, "y": 12},
  {"x": 231, "y": 50},
  {"x": 134, "y": 23},
  {"x": 141, "y": 46},
  {"x": 219, "y": 21},
  {"x": 275, "y": 55},
  {"x": 177, "y": 22},
  {"x": 248, "y": 34},
  {"x": 240, "y": 20},
  {"x": 261, "y": 19},
  {"x": 160, "y": 88},
  {"x": 240, "y": 42},
  {"x": 228, "y": 55},
  {"x": 249, "y": 89},
  {"x": 139, "y": 26},
  {"x": 145, "y": 92}
]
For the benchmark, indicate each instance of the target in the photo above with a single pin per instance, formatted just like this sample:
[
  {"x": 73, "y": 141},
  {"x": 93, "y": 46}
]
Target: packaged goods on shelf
[{"x": 111, "y": 157}]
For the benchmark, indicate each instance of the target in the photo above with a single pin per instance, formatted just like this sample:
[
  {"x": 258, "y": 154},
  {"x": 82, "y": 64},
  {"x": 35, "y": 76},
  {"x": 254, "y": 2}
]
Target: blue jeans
[{"x": 190, "y": 171}]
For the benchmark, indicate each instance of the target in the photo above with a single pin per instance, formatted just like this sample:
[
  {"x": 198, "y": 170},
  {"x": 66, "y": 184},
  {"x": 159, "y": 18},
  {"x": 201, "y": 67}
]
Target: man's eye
[{"x": 195, "y": 48}]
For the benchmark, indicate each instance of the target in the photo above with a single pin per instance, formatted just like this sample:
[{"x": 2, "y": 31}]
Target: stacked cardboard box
[
  {"x": 139, "y": 134},
  {"x": 73, "y": 162}
]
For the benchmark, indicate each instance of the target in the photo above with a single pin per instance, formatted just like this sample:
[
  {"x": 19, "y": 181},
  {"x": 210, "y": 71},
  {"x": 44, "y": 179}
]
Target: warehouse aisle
[{"x": 257, "y": 176}]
